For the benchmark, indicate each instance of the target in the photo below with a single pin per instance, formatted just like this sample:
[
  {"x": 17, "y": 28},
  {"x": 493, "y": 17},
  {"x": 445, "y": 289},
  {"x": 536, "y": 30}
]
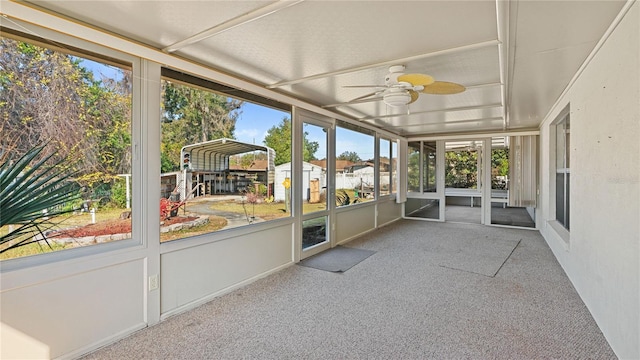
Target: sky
[{"x": 254, "y": 122}]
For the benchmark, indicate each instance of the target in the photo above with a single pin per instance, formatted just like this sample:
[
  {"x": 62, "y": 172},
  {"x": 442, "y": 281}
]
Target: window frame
[
  {"x": 562, "y": 127},
  {"x": 59, "y": 42},
  {"x": 202, "y": 83}
]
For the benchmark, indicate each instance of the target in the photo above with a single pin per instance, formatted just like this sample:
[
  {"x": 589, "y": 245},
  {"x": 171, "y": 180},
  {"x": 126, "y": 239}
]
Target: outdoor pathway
[{"x": 233, "y": 219}]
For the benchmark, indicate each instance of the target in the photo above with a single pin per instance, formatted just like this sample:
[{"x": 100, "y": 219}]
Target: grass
[
  {"x": 262, "y": 210},
  {"x": 78, "y": 219},
  {"x": 32, "y": 249}
]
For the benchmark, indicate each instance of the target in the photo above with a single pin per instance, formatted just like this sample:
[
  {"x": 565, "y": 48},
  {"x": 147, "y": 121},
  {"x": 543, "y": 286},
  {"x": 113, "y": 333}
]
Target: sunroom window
[
  {"x": 225, "y": 158},
  {"x": 66, "y": 123}
]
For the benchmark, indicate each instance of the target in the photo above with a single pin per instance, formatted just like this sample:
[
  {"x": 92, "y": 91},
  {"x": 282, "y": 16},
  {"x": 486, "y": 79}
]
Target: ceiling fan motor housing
[
  {"x": 392, "y": 76},
  {"x": 396, "y": 97}
]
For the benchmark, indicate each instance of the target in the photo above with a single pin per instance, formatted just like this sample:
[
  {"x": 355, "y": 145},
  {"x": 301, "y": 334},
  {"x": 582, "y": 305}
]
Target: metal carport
[{"x": 207, "y": 164}]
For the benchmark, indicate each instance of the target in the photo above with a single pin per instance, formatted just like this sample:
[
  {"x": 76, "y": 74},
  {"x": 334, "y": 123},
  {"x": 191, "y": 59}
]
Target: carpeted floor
[
  {"x": 338, "y": 259},
  {"x": 402, "y": 303}
]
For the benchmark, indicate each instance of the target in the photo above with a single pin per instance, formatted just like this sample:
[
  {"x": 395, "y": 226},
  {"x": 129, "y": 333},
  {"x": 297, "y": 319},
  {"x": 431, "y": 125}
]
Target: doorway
[
  {"x": 313, "y": 202},
  {"x": 464, "y": 186}
]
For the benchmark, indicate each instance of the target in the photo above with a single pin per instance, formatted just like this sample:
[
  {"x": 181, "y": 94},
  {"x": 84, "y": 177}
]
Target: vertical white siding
[{"x": 602, "y": 254}]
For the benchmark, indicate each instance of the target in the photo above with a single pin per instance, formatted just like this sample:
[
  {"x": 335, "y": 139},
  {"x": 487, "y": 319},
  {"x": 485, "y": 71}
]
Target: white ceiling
[{"x": 515, "y": 58}]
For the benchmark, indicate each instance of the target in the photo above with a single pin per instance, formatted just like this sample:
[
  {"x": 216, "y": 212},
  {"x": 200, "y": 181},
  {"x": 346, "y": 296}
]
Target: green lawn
[{"x": 265, "y": 211}]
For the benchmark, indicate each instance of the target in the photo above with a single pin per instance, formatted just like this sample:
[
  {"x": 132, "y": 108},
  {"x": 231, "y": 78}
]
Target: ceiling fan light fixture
[{"x": 397, "y": 98}]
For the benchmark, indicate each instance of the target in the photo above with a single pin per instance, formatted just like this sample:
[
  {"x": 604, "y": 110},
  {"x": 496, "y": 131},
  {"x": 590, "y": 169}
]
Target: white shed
[{"x": 309, "y": 172}]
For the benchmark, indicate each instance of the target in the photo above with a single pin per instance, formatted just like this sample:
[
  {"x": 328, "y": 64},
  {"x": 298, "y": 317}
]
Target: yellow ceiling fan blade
[
  {"x": 416, "y": 79},
  {"x": 443, "y": 88},
  {"x": 414, "y": 96}
]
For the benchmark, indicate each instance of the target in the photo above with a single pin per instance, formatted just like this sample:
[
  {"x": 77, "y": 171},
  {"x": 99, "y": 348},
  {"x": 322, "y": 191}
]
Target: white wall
[
  {"x": 354, "y": 220},
  {"x": 388, "y": 211},
  {"x": 601, "y": 255},
  {"x": 194, "y": 274},
  {"x": 66, "y": 309}
]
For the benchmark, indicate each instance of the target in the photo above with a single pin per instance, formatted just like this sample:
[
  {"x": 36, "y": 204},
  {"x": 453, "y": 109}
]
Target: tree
[
  {"x": 500, "y": 161},
  {"x": 193, "y": 115},
  {"x": 279, "y": 139},
  {"x": 413, "y": 169},
  {"x": 41, "y": 93},
  {"x": 461, "y": 169},
  {"x": 350, "y": 156},
  {"x": 47, "y": 96},
  {"x": 499, "y": 167},
  {"x": 246, "y": 160}
]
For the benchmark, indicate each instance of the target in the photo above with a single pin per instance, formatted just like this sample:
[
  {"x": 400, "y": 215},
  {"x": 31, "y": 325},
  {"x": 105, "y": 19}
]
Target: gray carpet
[
  {"x": 398, "y": 304},
  {"x": 338, "y": 259},
  {"x": 480, "y": 256}
]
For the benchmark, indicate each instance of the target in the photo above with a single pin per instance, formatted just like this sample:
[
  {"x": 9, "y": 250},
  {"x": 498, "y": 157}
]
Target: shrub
[{"x": 119, "y": 193}]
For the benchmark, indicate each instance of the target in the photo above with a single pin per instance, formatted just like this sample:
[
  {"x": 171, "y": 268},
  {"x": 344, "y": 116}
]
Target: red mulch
[{"x": 109, "y": 227}]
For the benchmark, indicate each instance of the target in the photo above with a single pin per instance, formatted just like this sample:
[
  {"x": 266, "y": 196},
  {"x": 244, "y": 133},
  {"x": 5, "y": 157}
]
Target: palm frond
[{"x": 30, "y": 195}]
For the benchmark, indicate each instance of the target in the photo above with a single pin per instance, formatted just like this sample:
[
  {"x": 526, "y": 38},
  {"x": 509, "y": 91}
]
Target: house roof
[
  {"x": 340, "y": 164},
  {"x": 256, "y": 165}
]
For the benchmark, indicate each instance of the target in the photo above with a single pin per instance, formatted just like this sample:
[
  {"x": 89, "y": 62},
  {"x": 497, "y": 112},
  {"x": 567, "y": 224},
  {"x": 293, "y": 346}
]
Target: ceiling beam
[
  {"x": 232, "y": 23},
  {"x": 387, "y": 63},
  {"x": 447, "y": 122},
  {"x": 502, "y": 27},
  {"x": 463, "y": 108}
]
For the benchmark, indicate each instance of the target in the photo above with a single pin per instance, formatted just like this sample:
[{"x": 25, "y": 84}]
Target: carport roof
[{"x": 224, "y": 146}]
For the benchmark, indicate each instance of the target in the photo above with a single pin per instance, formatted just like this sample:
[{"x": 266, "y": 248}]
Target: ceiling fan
[{"x": 401, "y": 89}]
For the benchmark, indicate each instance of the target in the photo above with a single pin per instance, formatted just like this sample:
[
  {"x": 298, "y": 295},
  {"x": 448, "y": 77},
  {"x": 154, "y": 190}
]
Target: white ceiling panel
[
  {"x": 315, "y": 37},
  {"x": 156, "y": 23},
  {"x": 311, "y": 50}
]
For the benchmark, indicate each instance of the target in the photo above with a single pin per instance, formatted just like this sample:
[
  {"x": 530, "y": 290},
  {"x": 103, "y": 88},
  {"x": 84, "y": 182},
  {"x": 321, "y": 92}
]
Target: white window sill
[{"x": 562, "y": 233}]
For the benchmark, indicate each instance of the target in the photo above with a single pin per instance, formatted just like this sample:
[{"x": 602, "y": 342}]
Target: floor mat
[{"x": 338, "y": 259}]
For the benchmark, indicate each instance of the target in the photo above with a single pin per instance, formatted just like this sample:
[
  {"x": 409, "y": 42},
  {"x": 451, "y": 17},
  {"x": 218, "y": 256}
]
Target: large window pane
[
  {"x": 225, "y": 162},
  {"x": 79, "y": 109},
  {"x": 461, "y": 164},
  {"x": 562, "y": 170},
  {"x": 355, "y": 175}
]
